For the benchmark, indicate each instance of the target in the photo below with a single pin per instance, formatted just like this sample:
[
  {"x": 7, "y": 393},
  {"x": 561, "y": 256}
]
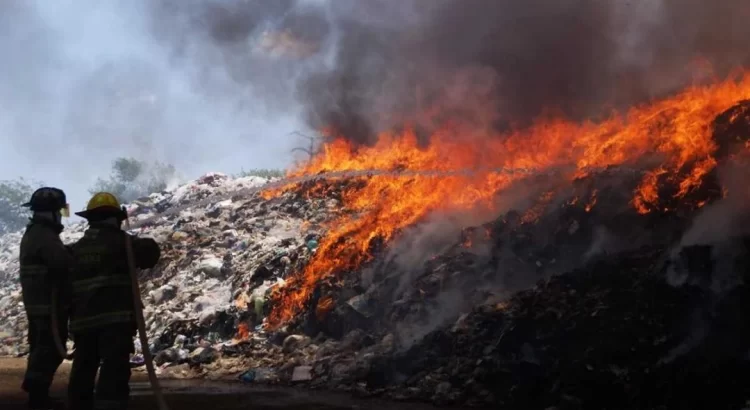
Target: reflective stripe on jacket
[
  {"x": 45, "y": 266},
  {"x": 101, "y": 285}
]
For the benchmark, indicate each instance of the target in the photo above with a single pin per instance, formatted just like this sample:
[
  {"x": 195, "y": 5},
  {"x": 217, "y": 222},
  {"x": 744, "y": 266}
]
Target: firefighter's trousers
[
  {"x": 109, "y": 346},
  {"x": 44, "y": 358}
]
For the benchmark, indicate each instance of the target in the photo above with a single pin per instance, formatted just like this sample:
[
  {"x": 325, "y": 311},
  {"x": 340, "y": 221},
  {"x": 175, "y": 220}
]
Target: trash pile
[
  {"x": 216, "y": 261},
  {"x": 13, "y": 323},
  {"x": 578, "y": 301},
  {"x": 614, "y": 325}
]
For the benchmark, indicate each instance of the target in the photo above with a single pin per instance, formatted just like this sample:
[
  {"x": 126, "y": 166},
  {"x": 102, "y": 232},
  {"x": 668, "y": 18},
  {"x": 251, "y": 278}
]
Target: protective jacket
[
  {"x": 45, "y": 266},
  {"x": 101, "y": 285}
]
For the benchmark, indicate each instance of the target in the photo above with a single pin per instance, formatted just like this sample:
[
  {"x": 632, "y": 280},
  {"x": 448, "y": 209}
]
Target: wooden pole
[
  {"x": 138, "y": 306},
  {"x": 55, "y": 329}
]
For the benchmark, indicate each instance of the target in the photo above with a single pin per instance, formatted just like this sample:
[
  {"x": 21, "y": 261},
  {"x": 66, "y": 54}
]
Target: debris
[
  {"x": 211, "y": 266},
  {"x": 248, "y": 376},
  {"x": 302, "y": 373},
  {"x": 259, "y": 375},
  {"x": 295, "y": 342},
  {"x": 204, "y": 356},
  {"x": 360, "y": 303},
  {"x": 137, "y": 360}
]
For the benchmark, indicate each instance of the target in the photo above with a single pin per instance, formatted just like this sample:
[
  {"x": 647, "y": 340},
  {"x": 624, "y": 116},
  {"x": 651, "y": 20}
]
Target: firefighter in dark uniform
[
  {"x": 45, "y": 266},
  {"x": 103, "y": 316}
]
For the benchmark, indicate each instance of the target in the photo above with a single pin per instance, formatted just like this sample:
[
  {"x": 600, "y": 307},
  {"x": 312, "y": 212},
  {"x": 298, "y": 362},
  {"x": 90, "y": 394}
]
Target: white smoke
[
  {"x": 728, "y": 217},
  {"x": 84, "y": 82}
]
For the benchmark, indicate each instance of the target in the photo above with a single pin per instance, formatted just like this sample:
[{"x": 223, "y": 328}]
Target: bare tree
[{"x": 314, "y": 146}]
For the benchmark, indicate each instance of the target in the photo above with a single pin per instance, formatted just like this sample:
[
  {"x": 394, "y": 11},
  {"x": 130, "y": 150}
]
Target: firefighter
[
  {"x": 45, "y": 266},
  {"x": 103, "y": 320}
]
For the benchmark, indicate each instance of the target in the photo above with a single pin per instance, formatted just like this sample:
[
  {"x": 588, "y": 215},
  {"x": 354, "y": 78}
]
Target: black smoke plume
[{"x": 506, "y": 62}]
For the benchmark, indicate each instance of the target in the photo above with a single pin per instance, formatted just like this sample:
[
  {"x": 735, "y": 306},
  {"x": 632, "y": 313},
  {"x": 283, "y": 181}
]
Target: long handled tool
[{"x": 137, "y": 304}]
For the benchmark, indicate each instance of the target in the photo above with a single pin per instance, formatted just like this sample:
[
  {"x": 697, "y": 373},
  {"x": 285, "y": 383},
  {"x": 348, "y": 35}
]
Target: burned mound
[
  {"x": 612, "y": 335},
  {"x": 731, "y": 129}
]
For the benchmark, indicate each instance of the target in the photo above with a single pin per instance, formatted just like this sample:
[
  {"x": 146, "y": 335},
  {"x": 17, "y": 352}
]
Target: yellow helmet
[
  {"x": 101, "y": 200},
  {"x": 102, "y": 204}
]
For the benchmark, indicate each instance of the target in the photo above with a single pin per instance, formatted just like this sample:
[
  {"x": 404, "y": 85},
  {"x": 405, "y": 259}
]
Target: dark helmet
[{"x": 47, "y": 199}]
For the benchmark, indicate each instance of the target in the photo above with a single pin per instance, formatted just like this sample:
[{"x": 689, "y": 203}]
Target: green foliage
[
  {"x": 262, "y": 173},
  {"x": 13, "y": 216},
  {"x": 132, "y": 179},
  {"x": 127, "y": 170}
]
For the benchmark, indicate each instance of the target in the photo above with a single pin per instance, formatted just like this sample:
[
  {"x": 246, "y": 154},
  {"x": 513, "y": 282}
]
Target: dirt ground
[{"x": 198, "y": 394}]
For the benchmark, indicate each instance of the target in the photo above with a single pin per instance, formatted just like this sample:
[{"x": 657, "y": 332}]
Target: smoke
[
  {"x": 435, "y": 236},
  {"x": 603, "y": 243},
  {"x": 461, "y": 286},
  {"x": 219, "y": 84},
  {"x": 442, "y": 311},
  {"x": 202, "y": 85},
  {"x": 441, "y": 232},
  {"x": 505, "y": 62},
  {"x": 729, "y": 217},
  {"x": 721, "y": 226}
]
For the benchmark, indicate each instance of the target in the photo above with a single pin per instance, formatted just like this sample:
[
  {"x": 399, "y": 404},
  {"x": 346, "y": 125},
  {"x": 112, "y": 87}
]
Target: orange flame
[
  {"x": 536, "y": 211},
  {"x": 243, "y": 332},
  {"x": 325, "y": 305},
  {"x": 487, "y": 234},
  {"x": 673, "y": 135},
  {"x": 592, "y": 201}
]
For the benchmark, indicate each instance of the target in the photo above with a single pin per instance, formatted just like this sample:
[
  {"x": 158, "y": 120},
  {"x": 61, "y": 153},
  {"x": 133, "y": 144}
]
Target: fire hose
[
  {"x": 55, "y": 329},
  {"x": 138, "y": 307}
]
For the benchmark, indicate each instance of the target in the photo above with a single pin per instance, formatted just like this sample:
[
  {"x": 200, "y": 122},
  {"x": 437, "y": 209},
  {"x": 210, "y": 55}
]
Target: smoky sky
[
  {"x": 516, "y": 59},
  {"x": 218, "y": 85},
  {"x": 196, "y": 84}
]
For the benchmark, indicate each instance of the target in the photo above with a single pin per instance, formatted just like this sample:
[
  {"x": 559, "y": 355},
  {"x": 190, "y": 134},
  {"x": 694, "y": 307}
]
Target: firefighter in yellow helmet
[
  {"x": 45, "y": 266},
  {"x": 103, "y": 316}
]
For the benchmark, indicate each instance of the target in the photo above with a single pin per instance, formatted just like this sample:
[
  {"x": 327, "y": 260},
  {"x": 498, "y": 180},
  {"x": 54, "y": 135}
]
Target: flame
[
  {"x": 243, "y": 332},
  {"x": 487, "y": 234},
  {"x": 325, "y": 305},
  {"x": 592, "y": 201},
  {"x": 693, "y": 180},
  {"x": 648, "y": 192},
  {"x": 536, "y": 211},
  {"x": 668, "y": 138}
]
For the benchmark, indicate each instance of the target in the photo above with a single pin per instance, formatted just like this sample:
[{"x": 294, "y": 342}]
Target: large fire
[{"x": 669, "y": 138}]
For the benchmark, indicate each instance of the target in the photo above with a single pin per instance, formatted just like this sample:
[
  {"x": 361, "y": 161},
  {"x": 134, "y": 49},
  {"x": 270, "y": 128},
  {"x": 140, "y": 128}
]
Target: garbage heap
[
  {"x": 216, "y": 259},
  {"x": 637, "y": 324}
]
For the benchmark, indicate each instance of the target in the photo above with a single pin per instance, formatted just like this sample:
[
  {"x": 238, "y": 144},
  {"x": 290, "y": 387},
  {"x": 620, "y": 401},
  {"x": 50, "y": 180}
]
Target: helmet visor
[{"x": 65, "y": 211}]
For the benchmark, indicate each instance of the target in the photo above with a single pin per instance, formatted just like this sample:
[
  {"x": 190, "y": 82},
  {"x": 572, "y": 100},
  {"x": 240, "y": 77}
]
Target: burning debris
[
  {"x": 670, "y": 144},
  {"x": 309, "y": 284}
]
